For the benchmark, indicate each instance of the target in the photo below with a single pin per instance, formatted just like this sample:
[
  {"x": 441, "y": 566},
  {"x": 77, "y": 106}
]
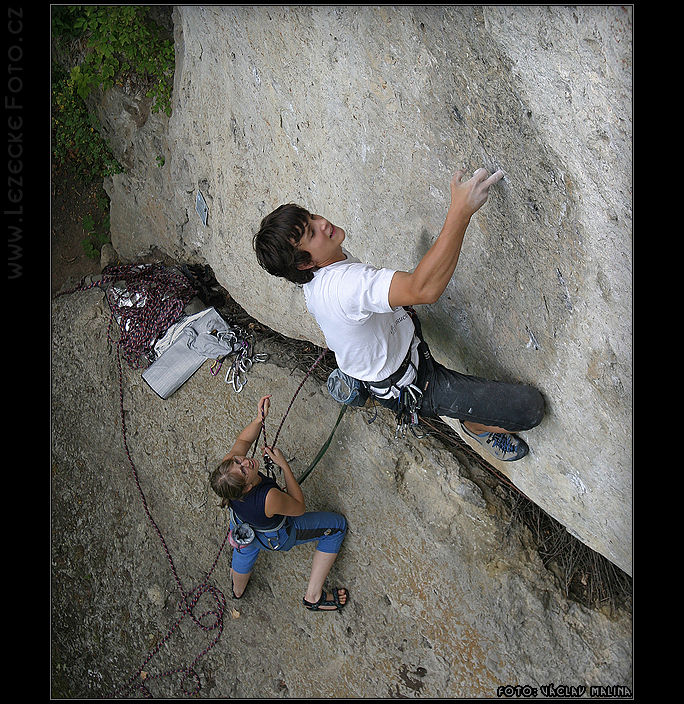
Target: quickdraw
[
  {"x": 243, "y": 356},
  {"x": 410, "y": 401}
]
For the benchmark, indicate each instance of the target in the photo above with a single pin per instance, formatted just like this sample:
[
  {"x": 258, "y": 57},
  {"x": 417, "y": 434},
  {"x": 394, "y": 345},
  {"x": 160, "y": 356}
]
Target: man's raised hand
[{"x": 469, "y": 196}]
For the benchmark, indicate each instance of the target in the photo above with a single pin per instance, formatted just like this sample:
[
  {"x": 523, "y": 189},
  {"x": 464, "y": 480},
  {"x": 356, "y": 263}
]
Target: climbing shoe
[{"x": 504, "y": 446}]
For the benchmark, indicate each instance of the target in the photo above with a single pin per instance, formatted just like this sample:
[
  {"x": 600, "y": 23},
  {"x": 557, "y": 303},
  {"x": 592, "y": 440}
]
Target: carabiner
[
  {"x": 238, "y": 385},
  {"x": 216, "y": 366},
  {"x": 233, "y": 377}
]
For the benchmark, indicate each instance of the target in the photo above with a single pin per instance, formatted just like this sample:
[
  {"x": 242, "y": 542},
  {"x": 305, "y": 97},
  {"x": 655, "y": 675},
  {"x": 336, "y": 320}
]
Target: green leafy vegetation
[
  {"x": 99, "y": 47},
  {"x": 76, "y": 139}
]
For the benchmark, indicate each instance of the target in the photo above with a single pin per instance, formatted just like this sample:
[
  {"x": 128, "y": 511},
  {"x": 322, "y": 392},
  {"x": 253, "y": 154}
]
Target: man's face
[{"x": 323, "y": 241}]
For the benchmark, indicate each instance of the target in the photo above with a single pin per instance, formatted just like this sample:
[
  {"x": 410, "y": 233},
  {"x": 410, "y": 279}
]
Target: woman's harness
[{"x": 244, "y": 533}]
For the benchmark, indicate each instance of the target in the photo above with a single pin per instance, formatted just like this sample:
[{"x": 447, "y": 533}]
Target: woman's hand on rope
[
  {"x": 264, "y": 406},
  {"x": 285, "y": 503},
  {"x": 277, "y": 456}
]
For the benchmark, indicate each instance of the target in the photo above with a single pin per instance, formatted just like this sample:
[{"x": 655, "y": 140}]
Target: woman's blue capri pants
[{"x": 324, "y": 526}]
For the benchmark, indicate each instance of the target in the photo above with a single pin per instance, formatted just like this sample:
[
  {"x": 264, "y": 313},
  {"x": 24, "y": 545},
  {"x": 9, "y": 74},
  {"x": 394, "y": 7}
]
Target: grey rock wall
[{"x": 362, "y": 114}]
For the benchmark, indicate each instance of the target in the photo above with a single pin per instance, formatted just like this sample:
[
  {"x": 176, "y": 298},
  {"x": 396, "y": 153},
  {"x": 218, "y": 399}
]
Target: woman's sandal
[{"x": 327, "y": 602}]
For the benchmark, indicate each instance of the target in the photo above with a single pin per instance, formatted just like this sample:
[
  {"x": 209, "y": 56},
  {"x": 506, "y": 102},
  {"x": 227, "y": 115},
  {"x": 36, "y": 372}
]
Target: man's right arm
[{"x": 429, "y": 279}]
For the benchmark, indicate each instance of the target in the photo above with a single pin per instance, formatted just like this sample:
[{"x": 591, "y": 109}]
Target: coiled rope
[{"x": 151, "y": 299}]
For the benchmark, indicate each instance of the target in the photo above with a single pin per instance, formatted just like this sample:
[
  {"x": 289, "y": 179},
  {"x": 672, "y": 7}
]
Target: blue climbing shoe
[{"x": 504, "y": 446}]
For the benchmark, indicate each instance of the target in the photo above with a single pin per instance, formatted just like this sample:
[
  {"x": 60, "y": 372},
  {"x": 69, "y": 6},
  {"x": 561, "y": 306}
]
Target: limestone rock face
[{"x": 362, "y": 114}]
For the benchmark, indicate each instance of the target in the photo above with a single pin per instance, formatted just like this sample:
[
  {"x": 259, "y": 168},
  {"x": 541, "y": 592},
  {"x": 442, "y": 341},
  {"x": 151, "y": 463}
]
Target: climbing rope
[
  {"x": 324, "y": 447},
  {"x": 153, "y": 298},
  {"x": 268, "y": 462},
  {"x": 189, "y": 599},
  {"x": 145, "y": 300}
]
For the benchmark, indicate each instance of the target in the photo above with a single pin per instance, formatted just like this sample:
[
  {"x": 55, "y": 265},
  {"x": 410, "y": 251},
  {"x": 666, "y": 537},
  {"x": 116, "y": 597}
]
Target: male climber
[{"x": 366, "y": 317}]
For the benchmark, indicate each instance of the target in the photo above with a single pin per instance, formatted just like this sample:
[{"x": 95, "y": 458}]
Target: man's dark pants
[{"x": 513, "y": 407}]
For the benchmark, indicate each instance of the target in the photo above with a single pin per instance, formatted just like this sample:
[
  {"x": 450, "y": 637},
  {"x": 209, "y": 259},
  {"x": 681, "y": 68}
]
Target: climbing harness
[
  {"x": 351, "y": 392},
  {"x": 245, "y": 533}
]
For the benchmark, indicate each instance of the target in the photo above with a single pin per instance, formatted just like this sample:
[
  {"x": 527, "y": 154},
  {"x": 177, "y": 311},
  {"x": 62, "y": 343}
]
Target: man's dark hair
[{"x": 275, "y": 242}]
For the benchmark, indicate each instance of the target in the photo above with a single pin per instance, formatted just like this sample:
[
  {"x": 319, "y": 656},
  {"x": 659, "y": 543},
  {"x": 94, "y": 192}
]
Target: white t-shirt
[{"x": 349, "y": 301}]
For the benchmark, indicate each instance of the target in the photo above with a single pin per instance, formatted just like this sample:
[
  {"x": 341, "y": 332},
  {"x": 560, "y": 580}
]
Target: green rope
[{"x": 321, "y": 452}]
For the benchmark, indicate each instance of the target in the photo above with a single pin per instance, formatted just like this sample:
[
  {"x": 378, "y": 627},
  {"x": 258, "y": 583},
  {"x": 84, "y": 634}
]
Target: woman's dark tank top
[{"x": 250, "y": 508}]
